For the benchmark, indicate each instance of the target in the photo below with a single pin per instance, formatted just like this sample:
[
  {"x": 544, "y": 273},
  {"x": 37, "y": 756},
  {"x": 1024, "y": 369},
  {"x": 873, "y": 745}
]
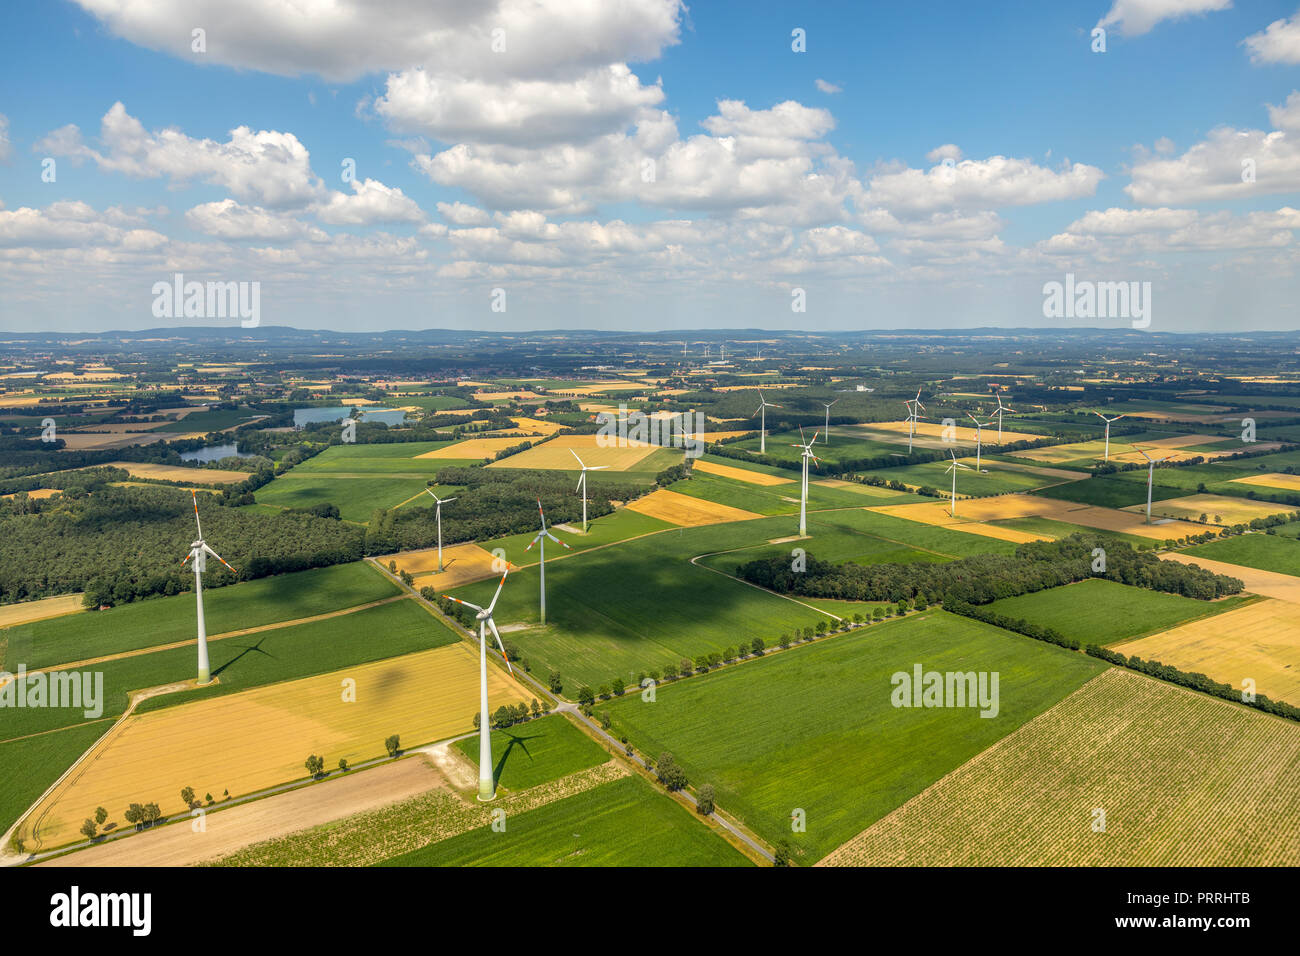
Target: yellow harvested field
[
  {"x": 685, "y": 511},
  {"x": 497, "y": 396},
  {"x": 258, "y": 738},
  {"x": 719, "y": 436},
  {"x": 960, "y": 432},
  {"x": 1028, "y": 506},
  {"x": 474, "y": 448},
  {"x": 462, "y": 563},
  {"x": 748, "y": 388},
  {"x": 266, "y": 819},
  {"x": 871, "y": 491},
  {"x": 1183, "y": 441},
  {"x": 199, "y": 476},
  {"x": 12, "y": 615},
  {"x": 1285, "y": 482},
  {"x": 1260, "y": 641},
  {"x": 38, "y": 493},
  {"x": 537, "y": 425},
  {"x": 1214, "y": 507},
  {"x": 105, "y": 441},
  {"x": 1159, "y": 759},
  {"x": 1283, "y": 587},
  {"x": 555, "y": 455},
  {"x": 740, "y": 474},
  {"x": 599, "y": 387}
]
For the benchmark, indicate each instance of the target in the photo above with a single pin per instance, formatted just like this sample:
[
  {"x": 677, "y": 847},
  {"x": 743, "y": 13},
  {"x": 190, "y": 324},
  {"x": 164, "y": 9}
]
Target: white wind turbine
[
  {"x": 803, "y": 497},
  {"x": 438, "y": 509},
  {"x": 1108, "y": 421},
  {"x": 540, "y": 538},
  {"x": 913, "y": 415},
  {"x": 1001, "y": 408},
  {"x": 827, "y": 439},
  {"x": 486, "y": 783},
  {"x": 763, "y": 406},
  {"x": 582, "y": 486},
  {"x": 979, "y": 439},
  {"x": 1151, "y": 472},
  {"x": 952, "y": 467},
  {"x": 199, "y": 552}
]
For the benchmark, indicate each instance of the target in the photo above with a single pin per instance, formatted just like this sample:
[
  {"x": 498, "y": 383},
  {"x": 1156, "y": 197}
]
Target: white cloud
[
  {"x": 826, "y": 87},
  {"x": 370, "y": 202},
  {"x": 974, "y": 184},
  {"x": 1279, "y": 42},
  {"x": 1213, "y": 168},
  {"x": 946, "y": 151},
  {"x": 72, "y": 224},
  {"x": 1136, "y": 17},
  {"x": 228, "y": 219},
  {"x": 268, "y": 167},
  {"x": 462, "y": 214},
  {"x": 6, "y": 150}
]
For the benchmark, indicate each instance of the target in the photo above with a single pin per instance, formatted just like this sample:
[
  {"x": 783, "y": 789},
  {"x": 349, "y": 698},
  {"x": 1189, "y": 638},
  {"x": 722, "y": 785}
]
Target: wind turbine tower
[
  {"x": 979, "y": 439},
  {"x": 1151, "y": 471},
  {"x": 540, "y": 539},
  {"x": 438, "y": 509},
  {"x": 199, "y": 552},
  {"x": 827, "y": 439},
  {"x": 1001, "y": 408},
  {"x": 803, "y": 497},
  {"x": 582, "y": 486},
  {"x": 763, "y": 406},
  {"x": 1108, "y": 421},
  {"x": 487, "y": 789}
]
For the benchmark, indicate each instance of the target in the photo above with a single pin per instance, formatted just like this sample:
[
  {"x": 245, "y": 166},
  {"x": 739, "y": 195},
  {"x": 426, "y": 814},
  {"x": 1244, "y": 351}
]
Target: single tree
[{"x": 705, "y": 802}]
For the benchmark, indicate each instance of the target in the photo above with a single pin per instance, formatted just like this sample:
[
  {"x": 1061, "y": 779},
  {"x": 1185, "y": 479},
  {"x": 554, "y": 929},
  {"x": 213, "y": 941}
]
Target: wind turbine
[
  {"x": 486, "y": 784},
  {"x": 540, "y": 538},
  {"x": 1001, "y": 408},
  {"x": 827, "y": 439},
  {"x": 1108, "y": 421},
  {"x": 953, "y": 468},
  {"x": 1151, "y": 472},
  {"x": 199, "y": 552},
  {"x": 763, "y": 406},
  {"x": 582, "y": 486},
  {"x": 438, "y": 509},
  {"x": 912, "y": 416},
  {"x": 803, "y": 497},
  {"x": 979, "y": 438}
]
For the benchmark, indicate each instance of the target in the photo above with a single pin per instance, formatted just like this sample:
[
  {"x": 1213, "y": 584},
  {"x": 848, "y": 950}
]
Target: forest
[
  {"x": 988, "y": 577},
  {"x": 119, "y": 544}
]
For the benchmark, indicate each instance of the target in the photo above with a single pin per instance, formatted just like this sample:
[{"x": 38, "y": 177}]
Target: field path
[
  {"x": 139, "y": 651},
  {"x": 239, "y": 826}
]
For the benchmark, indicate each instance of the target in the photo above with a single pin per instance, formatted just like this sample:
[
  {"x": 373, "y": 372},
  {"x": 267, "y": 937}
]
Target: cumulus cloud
[
  {"x": 1136, "y": 17},
  {"x": 228, "y": 219},
  {"x": 73, "y": 224},
  {"x": 370, "y": 202},
  {"x": 1279, "y": 42},
  {"x": 1213, "y": 168},
  {"x": 269, "y": 167},
  {"x": 974, "y": 184}
]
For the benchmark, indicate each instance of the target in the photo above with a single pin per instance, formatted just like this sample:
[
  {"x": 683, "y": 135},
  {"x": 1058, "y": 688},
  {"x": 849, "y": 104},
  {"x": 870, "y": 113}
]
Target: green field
[
  {"x": 283, "y": 597},
  {"x": 813, "y": 728},
  {"x": 1100, "y": 611},
  {"x": 641, "y": 604},
  {"x": 993, "y": 480},
  {"x": 537, "y": 751},
  {"x": 783, "y": 499},
  {"x": 356, "y": 498},
  {"x": 28, "y": 767},
  {"x": 1063, "y": 529},
  {"x": 621, "y": 823},
  {"x": 265, "y": 657},
  {"x": 607, "y": 529},
  {"x": 1107, "y": 492},
  {"x": 1267, "y": 552},
  {"x": 391, "y": 458},
  {"x": 213, "y": 420}
]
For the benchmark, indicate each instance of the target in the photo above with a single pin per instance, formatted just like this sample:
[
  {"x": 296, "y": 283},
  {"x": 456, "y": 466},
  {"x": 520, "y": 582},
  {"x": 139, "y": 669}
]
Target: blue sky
[{"x": 838, "y": 193}]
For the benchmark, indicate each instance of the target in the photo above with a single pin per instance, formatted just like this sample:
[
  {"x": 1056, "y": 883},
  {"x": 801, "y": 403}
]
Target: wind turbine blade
[
  {"x": 597, "y": 467},
  {"x": 445, "y": 500},
  {"x": 186, "y": 558},
  {"x": 581, "y": 479},
  {"x": 217, "y": 556},
  {"x": 558, "y": 541},
  {"x": 466, "y": 603},
  {"x": 429, "y": 492},
  {"x": 195, "y": 499},
  {"x": 533, "y": 542},
  {"x": 497, "y": 634},
  {"x": 498, "y": 594},
  {"x": 575, "y": 455}
]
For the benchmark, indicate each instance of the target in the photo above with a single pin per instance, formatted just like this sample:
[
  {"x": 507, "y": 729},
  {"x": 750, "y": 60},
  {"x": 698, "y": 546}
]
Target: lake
[{"x": 336, "y": 413}]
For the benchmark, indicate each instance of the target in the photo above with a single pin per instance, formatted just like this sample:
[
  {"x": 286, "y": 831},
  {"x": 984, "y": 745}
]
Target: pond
[
  {"x": 214, "y": 453},
  {"x": 336, "y": 413}
]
